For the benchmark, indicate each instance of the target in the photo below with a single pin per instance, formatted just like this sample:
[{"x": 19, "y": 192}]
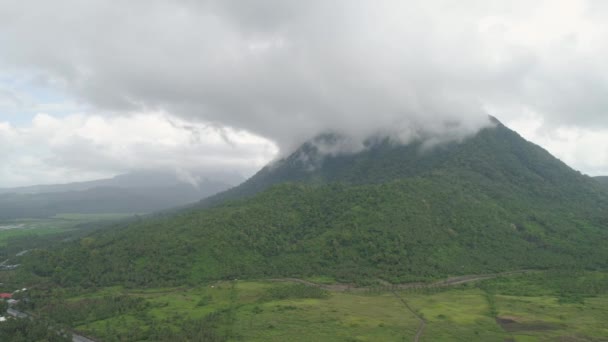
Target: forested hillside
[{"x": 494, "y": 202}]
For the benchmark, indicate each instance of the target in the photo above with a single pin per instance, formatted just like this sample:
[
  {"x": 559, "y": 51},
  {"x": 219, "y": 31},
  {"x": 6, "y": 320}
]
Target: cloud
[
  {"x": 583, "y": 149},
  {"x": 283, "y": 70},
  {"x": 82, "y": 147},
  {"x": 287, "y": 70}
]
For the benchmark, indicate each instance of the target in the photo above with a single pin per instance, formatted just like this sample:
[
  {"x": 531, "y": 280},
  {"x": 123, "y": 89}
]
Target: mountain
[
  {"x": 498, "y": 155},
  {"x": 493, "y": 202},
  {"x": 137, "y": 179},
  {"x": 138, "y": 192}
]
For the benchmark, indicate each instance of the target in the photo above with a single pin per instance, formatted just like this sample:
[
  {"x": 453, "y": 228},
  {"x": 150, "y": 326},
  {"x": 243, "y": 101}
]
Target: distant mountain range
[
  {"x": 137, "y": 192},
  {"x": 493, "y": 202}
]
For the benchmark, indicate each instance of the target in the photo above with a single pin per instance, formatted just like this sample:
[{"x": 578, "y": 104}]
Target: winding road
[{"x": 422, "y": 321}]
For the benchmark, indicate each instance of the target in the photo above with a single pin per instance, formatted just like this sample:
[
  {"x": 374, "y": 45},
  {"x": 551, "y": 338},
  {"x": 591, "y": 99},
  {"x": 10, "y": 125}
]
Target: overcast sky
[{"x": 93, "y": 88}]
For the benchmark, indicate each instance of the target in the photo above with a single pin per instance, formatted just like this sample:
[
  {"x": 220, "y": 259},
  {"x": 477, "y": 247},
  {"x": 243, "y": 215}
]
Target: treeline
[
  {"x": 28, "y": 330},
  {"x": 74, "y": 313},
  {"x": 211, "y": 328},
  {"x": 567, "y": 284}
]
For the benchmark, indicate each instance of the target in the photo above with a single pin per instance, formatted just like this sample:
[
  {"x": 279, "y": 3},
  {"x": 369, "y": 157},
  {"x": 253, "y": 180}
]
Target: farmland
[{"x": 264, "y": 310}]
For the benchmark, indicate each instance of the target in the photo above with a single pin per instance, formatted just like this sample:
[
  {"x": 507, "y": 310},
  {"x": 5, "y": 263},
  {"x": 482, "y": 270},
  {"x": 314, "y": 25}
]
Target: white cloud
[
  {"x": 80, "y": 147},
  {"x": 584, "y": 149},
  {"x": 289, "y": 69}
]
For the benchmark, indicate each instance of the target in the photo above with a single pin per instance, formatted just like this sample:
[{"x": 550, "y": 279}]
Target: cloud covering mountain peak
[{"x": 287, "y": 70}]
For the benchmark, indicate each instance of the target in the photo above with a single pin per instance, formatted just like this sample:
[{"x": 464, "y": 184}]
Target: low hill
[{"x": 493, "y": 202}]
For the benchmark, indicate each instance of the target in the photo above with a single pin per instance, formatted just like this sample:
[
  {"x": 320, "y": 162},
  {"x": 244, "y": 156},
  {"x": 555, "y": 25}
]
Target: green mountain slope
[{"x": 494, "y": 202}]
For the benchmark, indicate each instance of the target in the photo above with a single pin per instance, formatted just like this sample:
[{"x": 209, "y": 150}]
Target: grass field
[
  {"x": 455, "y": 315},
  {"x": 256, "y": 317},
  {"x": 340, "y": 317},
  {"x": 251, "y": 312}
]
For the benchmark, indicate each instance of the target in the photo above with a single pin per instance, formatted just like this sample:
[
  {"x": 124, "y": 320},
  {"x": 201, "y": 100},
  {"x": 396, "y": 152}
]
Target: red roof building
[{"x": 6, "y": 295}]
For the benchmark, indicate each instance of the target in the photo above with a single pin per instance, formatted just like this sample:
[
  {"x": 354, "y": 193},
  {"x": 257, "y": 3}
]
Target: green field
[
  {"x": 490, "y": 310},
  {"x": 62, "y": 223},
  {"x": 254, "y": 316}
]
